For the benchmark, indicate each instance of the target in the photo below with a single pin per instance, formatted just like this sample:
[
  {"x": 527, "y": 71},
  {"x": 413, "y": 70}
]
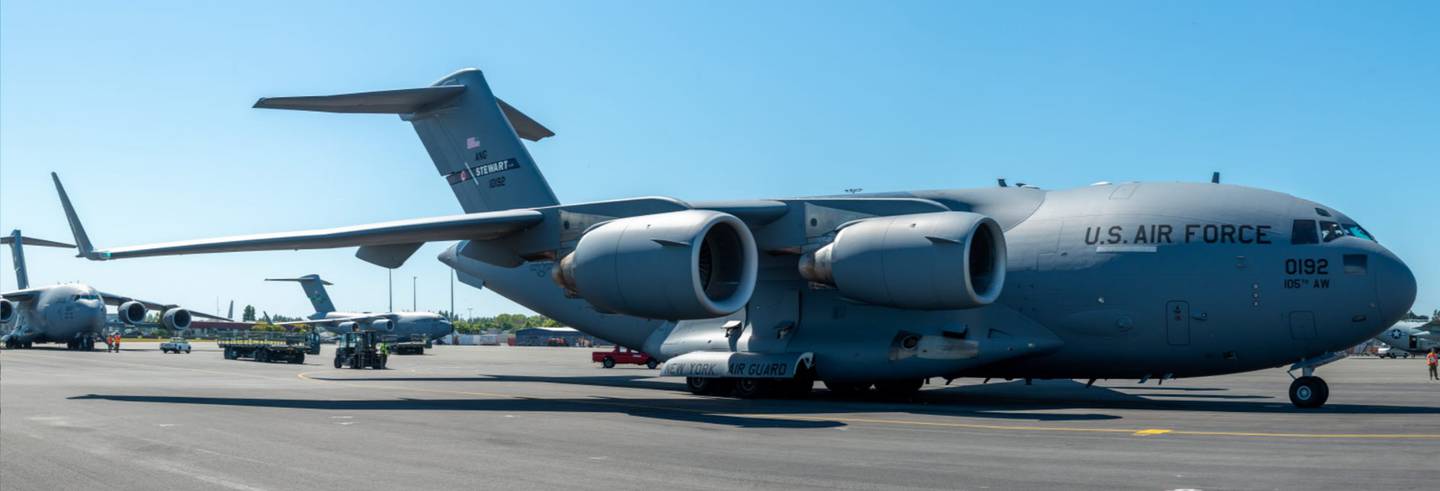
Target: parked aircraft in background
[
  {"x": 761, "y": 296},
  {"x": 1410, "y": 338},
  {"x": 72, "y": 313},
  {"x": 401, "y": 325}
]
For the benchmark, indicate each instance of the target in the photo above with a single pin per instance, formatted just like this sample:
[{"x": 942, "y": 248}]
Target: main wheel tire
[
  {"x": 1309, "y": 392},
  {"x": 899, "y": 389},
  {"x": 608, "y": 362},
  {"x": 652, "y": 363},
  {"x": 707, "y": 386},
  {"x": 754, "y": 388},
  {"x": 847, "y": 389}
]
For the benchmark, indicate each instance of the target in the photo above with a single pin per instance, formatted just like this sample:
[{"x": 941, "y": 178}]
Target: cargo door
[{"x": 1177, "y": 323}]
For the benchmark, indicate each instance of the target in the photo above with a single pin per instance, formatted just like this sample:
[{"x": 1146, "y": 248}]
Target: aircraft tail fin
[
  {"x": 314, "y": 289},
  {"x": 17, "y": 254},
  {"x": 231, "y": 314},
  {"x": 472, "y": 137}
]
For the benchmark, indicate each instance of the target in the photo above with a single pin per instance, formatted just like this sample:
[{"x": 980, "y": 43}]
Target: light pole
[
  {"x": 452, "y": 294},
  {"x": 390, "y": 286},
  {"x": 414, "y": 295}
]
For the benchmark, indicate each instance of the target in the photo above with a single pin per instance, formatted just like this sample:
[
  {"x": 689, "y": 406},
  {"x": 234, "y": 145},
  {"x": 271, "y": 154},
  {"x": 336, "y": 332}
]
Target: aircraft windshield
[{"x": 1332, "y": 230}]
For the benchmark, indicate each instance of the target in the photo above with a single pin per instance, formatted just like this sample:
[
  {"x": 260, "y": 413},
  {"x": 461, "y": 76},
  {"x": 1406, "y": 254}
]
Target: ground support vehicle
[
  {"x": 623, "y": 356},
  {"x": 265, "y": 347},
  {"x": 359, "y": 349}
]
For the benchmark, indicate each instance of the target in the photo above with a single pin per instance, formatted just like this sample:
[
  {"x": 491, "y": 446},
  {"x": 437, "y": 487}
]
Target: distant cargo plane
[
  {"x": 1410, "y": 338},
  {"x": 71, "y": 313},
  {"x": 762, "y": 296},
  {"x": 401, "y": 325}
]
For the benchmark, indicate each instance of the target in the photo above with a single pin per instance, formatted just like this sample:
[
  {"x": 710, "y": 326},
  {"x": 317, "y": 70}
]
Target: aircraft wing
[
  {"x": 337, "y": 320},
  {"x": 391, "y": 239},
  {"x": 117, "y": 299},
  {"x": 22, "y": 295}
]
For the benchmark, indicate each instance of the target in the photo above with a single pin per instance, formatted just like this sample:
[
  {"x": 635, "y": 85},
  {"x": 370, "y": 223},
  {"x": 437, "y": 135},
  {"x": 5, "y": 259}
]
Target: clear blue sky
[{"x": 144, "y": 110}]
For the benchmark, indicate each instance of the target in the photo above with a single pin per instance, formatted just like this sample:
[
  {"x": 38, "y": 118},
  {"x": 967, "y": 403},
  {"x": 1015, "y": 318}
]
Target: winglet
[{"x": 81, "y": 240}]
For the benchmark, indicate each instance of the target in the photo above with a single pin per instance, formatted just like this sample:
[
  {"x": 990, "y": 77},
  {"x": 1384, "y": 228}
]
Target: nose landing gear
[{"x": 1309, "y": 391}]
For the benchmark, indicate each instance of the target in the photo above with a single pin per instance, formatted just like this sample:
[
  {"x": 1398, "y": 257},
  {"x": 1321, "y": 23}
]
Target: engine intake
[
  {"x": 692, "y": 264},
  {"x": 131, "y": 312},
  {"x": 7, "y": 310},
  {"x": 176, "y": 319},
  {"x": 925, "y": 261},
  {"x": 382, "y": 325}
]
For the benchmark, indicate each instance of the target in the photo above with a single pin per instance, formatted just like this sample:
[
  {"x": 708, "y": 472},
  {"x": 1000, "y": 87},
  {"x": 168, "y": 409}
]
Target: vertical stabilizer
[
  {"x": 17, "y": 243},
  {"x": 472, "y": 137},
  {"x": 314, "y": 289}
]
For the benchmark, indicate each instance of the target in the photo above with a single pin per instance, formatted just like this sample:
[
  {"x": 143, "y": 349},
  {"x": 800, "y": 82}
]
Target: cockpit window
[
  {"x": 1358, "y": 231},
  {"x": 1304, "y": 233},
  {"x": 1322, "y": 212},
  {"x": 1330, "y": 231}
]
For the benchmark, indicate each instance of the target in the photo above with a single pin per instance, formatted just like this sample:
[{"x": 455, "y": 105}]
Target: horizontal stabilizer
[
  {"x": 31, "y": 241},
  {"x": 403, "y": 101}
]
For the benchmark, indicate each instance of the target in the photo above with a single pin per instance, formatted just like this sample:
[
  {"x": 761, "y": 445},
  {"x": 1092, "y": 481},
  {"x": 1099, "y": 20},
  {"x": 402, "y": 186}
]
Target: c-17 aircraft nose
[{"x": 1394, "y": 285}]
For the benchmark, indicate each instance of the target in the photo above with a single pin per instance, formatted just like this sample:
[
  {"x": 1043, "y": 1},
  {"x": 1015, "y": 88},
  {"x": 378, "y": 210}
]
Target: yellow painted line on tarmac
[{"x": 920, "y": 423}]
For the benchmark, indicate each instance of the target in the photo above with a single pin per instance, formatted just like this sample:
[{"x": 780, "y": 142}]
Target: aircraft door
[
  {"x": 1177, "y": 323},
  {"x": 1302, "y": 325}
]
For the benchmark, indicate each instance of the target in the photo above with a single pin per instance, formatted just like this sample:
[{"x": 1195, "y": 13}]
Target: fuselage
[
  {"x": 1106, "y": 281},
  {"x": 407, "y": 324},
  {"x": 60, "y": 313},
  {"x": 1408, "y": 337}
]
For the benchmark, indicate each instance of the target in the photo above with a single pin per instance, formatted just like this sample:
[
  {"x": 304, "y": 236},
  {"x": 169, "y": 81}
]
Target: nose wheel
[{"x": 1309, "y": 392}]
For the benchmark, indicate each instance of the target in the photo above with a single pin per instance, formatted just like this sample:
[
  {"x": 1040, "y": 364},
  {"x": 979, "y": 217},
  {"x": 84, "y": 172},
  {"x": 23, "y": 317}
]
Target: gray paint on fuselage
[
  {"x": 59, "y": 314},
  {"x": 432, "y": 326},
  {"x": 1093, "y": 276}
]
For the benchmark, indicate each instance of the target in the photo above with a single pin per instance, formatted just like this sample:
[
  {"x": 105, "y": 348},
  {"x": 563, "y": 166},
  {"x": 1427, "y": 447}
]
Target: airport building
[{"x": 556, "y": 336}]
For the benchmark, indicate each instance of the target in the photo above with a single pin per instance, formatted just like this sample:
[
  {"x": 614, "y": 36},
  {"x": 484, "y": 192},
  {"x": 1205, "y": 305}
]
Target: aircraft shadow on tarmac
[{"x": 1007, "y": 401}]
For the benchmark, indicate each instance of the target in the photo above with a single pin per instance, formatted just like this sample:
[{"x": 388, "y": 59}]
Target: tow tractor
[{"x": 359, "y": 349}]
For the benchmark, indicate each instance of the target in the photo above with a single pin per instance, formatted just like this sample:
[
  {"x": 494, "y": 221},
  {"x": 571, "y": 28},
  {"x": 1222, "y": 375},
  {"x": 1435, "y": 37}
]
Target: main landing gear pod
[{"x": 747, "y": 375}]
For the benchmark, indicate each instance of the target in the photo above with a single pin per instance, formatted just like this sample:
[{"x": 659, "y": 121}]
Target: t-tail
[
  {"x": 314, "y": 289},
  {"x": 472, "y": 136},
  {"x": 17, "y": 243}
]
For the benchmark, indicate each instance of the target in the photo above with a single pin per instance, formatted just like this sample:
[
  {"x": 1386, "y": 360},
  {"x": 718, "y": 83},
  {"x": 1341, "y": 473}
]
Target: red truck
[{"x": 609, "y": 359}]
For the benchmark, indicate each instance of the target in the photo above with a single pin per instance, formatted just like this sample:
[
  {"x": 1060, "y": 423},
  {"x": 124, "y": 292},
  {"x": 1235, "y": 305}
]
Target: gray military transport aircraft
[
  {"x": 1410, "y": 338},
  {"x": 402, "y": 325},
  {"x": 765, "y": 296},
  {"x": 71, "y": 313}
]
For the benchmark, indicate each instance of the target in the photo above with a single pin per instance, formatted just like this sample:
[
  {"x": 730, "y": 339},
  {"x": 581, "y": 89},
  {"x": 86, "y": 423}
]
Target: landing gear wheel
[
  {"x": 707, "y": 386},
  {"x": 847, "y": 389},
  {"x": 608, "y": 362},
  {"x": 1309, "y": 392},
  {"x": 652, "y": 363},
  {"x": 899, "y": 389},
  {"x": 752, "y": 388}
]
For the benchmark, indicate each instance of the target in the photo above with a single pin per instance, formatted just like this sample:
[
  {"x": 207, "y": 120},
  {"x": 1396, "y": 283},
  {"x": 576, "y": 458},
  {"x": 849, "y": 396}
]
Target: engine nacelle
[
  {"x": 346, "y": 326},
  {"x": 131, "y": 312},
  {"x": 7, "y": 310},
  {"x": 176, "y": 319},
  {"x": 382, "y": 325},
  {"x": 692, "y": 264},
  {"x": 925, "y": 261}
]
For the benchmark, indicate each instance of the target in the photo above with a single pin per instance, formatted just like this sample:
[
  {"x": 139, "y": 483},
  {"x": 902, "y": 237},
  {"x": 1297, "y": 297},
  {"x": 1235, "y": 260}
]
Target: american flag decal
[{"x": 472, "y": 143}]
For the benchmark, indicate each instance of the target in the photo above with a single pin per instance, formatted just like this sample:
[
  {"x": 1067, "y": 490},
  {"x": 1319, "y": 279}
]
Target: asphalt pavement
[{"x": 547, "y": 418}]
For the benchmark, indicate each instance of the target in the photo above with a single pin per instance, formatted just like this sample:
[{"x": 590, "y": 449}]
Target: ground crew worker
[
  {"x": 1432, "y": 360},
  {"x": 117, "y": 342}
]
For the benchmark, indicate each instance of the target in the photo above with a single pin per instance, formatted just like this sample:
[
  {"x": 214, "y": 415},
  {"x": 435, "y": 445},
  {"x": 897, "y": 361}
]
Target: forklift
[{"x": 359, "y": 349}]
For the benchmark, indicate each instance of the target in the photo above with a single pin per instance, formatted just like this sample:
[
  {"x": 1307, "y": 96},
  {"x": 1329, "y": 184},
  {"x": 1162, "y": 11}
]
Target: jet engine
[
  {"x": 7, "y": 310},
  {"x": 176, "y": 319},
  {"x": 382, "y": 325},
  {"x": 346, "y": 326},
  {"x": 691, "y": 264},
  {"x": 925, "y": 261},
  {"x": 131, "y": 312}
]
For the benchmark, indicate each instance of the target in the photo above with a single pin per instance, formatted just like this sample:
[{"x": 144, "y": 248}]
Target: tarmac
[{"x": 547, "y": 418}]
